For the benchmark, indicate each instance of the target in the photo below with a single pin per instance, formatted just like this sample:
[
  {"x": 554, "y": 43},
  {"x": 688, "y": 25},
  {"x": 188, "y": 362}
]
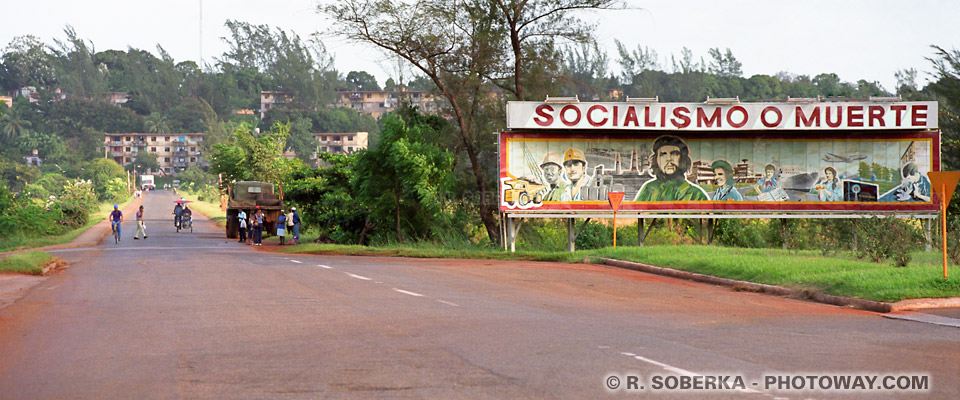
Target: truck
[
  {"x": 146, "y": 182},
  {"x": 247, "y": 196},
  {"x": 522, "y": 191}
]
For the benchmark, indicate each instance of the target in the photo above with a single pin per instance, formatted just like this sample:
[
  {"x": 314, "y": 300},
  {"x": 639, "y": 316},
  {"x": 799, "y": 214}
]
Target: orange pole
[
  {"x": 614, "y": 229},
  {"x": 943, "y": 206}
]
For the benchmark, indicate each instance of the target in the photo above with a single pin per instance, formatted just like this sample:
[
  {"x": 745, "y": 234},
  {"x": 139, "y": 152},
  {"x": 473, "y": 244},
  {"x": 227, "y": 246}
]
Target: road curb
[
  {"x": 53, "y": 266},
  {"x": 869, "y": 305}
]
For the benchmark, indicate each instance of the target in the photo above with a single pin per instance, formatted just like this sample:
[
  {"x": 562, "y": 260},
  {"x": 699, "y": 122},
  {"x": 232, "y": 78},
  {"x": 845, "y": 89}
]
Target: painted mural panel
[{"x": 563, "y": 171}]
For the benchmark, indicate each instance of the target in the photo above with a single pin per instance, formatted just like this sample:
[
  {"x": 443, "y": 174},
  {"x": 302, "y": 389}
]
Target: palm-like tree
[
  {"x": 13, "y": 124},
  {"x": 156, "y": 123}
]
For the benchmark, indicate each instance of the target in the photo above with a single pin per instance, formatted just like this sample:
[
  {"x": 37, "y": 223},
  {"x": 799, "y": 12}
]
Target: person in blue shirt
[
  {"x": 829, "y": 188},
  {"x": 723, "y": 177},
  {"x": 768, "y": 182},
  {"x": 913, "y": 187},
  {"x": 116, "y": 218},
  {"x": 281, "y": 226},
  {"x": 296, "y": 226}
]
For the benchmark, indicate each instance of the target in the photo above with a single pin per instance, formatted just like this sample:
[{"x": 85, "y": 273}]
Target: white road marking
[
  {"x": 298, "y": 262},
  {"x": 357, "y": 276},
  {"x": 324, "y": 266},
  {"x": 677, "y": 370},
  {"x": 406, "y": 292},
  {"x": 449, "y": 303}
]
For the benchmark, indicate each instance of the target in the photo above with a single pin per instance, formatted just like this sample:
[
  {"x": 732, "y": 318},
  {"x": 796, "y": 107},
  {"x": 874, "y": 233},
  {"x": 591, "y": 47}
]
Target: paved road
[{"x": 196, "y": 316}]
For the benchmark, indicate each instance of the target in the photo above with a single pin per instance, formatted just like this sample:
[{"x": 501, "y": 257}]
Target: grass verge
[
  {"x": 30, "y": 262},
  {"x": 23, "y": 242},
  {"x": 841, "y": 275}
]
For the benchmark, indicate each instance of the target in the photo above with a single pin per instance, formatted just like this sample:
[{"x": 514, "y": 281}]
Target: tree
[
  {"x": 156, "y": 123},
  {"x": 76, "y": 70},
  {"x": 864, "y": 171},
  {"x": 530, "y": 27},
  {"x": 947, "y": 86},
  {"x": 143, "y": 162},
  {"x": 27, "y": 63},
  {"x": 636, "y": 61},
  {"x": 361, "y": 80},
  {"x": 253, "y": 157},
  {"x": 407, "y": 178},
  {"x": 301, "y": 140},
  {"x": 724, "y": 64},
  {"x": 14, "y": 125},
  {"x": 276, "y": 60},
  {"x": 101, "y": 172}
]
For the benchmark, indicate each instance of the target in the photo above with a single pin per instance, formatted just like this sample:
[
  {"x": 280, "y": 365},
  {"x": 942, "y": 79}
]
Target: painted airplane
[{"x": 830, "y": 157}]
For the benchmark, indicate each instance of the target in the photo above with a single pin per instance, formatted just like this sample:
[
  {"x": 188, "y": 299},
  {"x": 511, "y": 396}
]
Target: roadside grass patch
[
  {"x": 23, "y": 242},
  {"x": 808, "y": 271},
  {"x": 30, "y": 262},
  {"x": 842, "y": 275}
]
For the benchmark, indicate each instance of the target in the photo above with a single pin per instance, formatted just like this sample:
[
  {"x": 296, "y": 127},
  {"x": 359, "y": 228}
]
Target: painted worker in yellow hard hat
[
  {"x": 553, "y": 173},
  {"x": 575, "y": 165}
]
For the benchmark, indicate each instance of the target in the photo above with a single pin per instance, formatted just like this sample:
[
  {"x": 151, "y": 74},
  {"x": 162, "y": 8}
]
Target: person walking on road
[
  {"x": 281, "y": 226},
  {"x": 296, "y": 226},
  {"x": 257, "y": 227},
  {"x": 242, "y": 216},
  {"x": 116, "y": 218},
  {"x": 141, "y": 228}
]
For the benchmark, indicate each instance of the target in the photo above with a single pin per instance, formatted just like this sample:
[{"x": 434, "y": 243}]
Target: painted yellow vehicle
[{"x": 522, "y": 191}]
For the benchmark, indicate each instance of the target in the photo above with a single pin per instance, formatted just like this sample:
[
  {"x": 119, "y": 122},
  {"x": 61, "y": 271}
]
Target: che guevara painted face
[{"x": 668, "y": 158}]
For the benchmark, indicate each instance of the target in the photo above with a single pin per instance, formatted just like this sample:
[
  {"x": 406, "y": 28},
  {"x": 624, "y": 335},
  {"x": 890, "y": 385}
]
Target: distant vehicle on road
[
  {"x": 146, "y": 182},
  {"x": 246, "y": 196}
]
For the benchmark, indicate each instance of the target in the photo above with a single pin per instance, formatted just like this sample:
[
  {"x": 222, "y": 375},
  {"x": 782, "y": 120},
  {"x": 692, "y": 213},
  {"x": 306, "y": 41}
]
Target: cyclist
[
  {"x": 116, "y": 217},
  {"x": 177, "y": 213}
]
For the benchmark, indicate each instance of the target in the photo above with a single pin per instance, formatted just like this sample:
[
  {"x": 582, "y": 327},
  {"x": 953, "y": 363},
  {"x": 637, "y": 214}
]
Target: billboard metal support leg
[
  {"x": 927, "y": 234},
  {"x": 640, "y": 234},
  {"x": 571, "y": 235},
  {"x": 511, "y": 234}
]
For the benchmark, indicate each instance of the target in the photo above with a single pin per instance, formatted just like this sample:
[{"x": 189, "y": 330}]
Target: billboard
[{"x": 781, "y": 170}]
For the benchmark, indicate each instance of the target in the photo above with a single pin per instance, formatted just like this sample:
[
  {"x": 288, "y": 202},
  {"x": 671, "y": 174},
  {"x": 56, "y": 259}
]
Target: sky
[{"x": 856, "y": 39}]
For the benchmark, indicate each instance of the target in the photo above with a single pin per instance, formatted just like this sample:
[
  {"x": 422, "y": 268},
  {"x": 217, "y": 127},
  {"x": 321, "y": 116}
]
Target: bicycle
[{"x": 116, "y": 233}]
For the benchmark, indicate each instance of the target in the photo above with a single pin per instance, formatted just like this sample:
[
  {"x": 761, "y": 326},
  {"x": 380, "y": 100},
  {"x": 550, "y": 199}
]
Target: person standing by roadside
[
  {"x": 290, "y": 224},
  {"x": 141, "y": 228},
  {"x": 281, "y": 226},
  {"x": 242, "y": 217},
  {"x": 257, "y": 227},
  {"x": 296, "y": 226}
]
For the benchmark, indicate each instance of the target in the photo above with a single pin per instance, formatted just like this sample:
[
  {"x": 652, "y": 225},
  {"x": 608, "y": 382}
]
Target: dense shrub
[
  {"x": 736, "y": 232},
  {"x": 888, "y": 238},
  {"x": 76, "y": 203}
]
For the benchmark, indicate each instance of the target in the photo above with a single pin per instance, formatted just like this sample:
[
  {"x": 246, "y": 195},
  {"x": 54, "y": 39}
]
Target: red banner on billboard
[{"x": 804, "y": 116}]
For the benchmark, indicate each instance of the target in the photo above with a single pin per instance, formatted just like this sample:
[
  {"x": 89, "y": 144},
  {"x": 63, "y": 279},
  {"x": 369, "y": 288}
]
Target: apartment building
[
  {"x": 377, "y": 103},
  {"x": 270, "y": 99},
  {"x": 341, "y": 143},
  {"x": 175, "y": 151}
]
